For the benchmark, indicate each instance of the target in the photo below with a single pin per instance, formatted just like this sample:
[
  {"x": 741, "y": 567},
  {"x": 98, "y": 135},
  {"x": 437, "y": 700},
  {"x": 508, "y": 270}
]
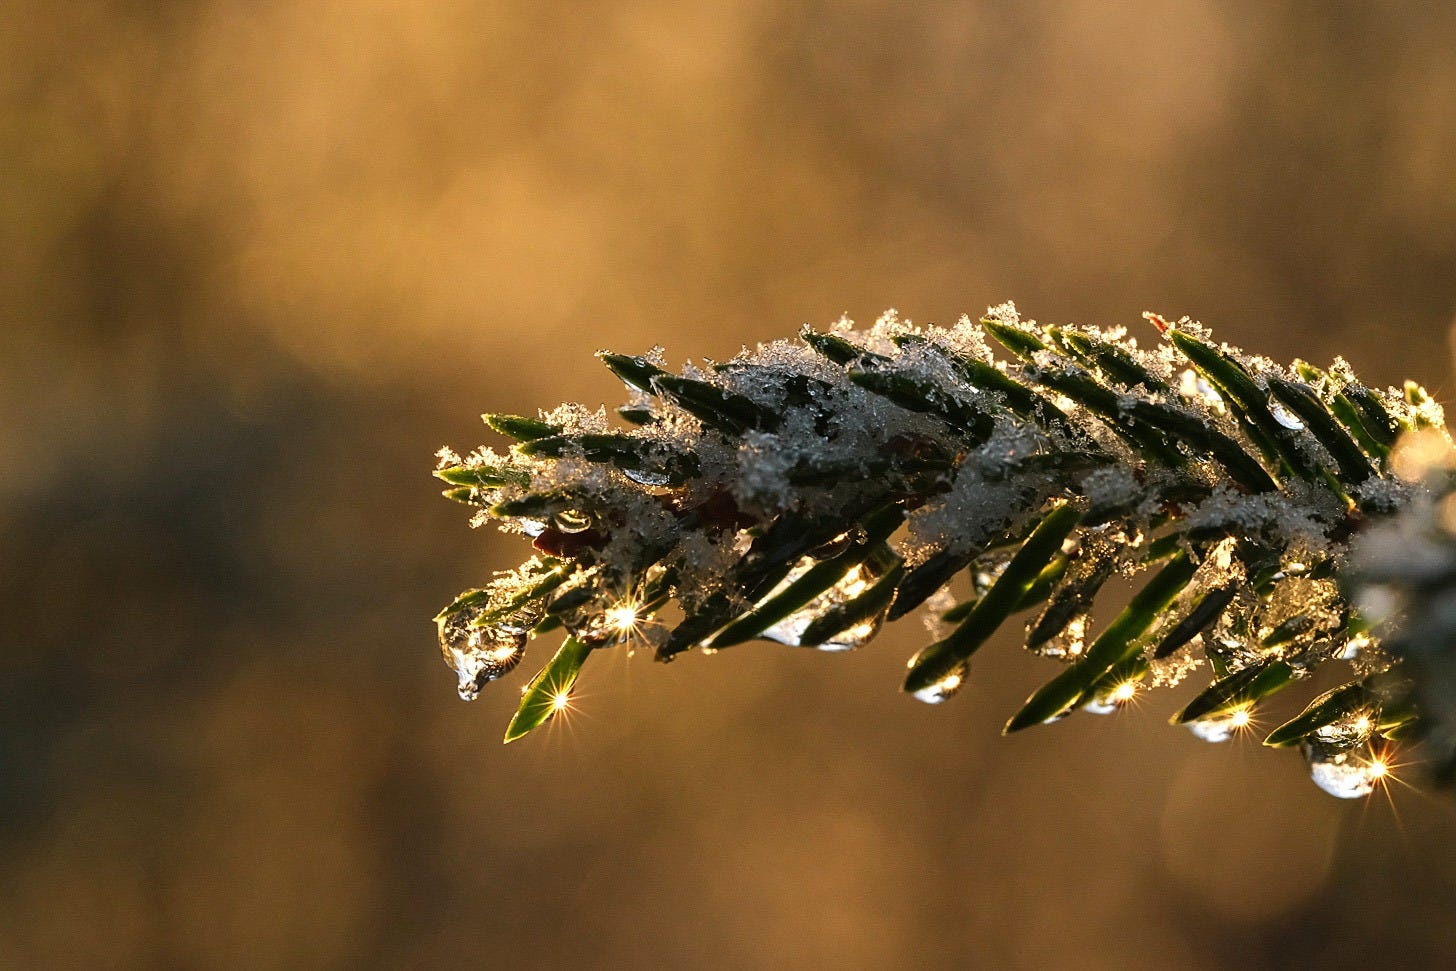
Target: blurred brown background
[{"x": 258, "y": 260}]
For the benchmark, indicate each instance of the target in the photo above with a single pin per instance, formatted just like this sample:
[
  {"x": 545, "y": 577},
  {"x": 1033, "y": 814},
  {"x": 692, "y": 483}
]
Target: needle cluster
[{"x": 810, "y": 491}]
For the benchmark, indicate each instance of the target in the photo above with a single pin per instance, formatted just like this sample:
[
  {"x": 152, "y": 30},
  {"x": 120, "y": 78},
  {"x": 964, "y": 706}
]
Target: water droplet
[
  {"x": 934, "y": 694},
  {"x": 480, "y": 655},
  {"x": 1284, "y": 417},
  {"x": 1067, "y": 645},
  {"x": 1342, "y": 771},
  {"x": 571, "y": 521},
  {"x": 790, "y": 630}
]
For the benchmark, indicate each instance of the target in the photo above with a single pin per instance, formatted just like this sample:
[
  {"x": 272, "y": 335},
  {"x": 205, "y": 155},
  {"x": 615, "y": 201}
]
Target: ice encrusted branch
[{"x": 809, "y": 491}]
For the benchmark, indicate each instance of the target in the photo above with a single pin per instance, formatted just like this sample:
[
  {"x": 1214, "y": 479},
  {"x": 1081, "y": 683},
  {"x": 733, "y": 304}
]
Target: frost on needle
[{"x": 809, "y": 491}]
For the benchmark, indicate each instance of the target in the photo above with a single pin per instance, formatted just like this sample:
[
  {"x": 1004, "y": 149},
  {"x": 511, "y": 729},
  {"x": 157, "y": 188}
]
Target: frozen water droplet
[
  {"x": 648, "y": 477},
  {"x": 517, "y": 625},
  {"x": 832, "y": 548},
  {"x": 1220, "y": 728},
  {"x": 480, "y": 655},
  {"x": 853, "y": 637},
  {"x": 1284, "y": 417},
  {"x": 1347, "y": 773},
  {"x": 1112, "y": 699},
  {"x": 597, "y": 627},
  {"x": 1212, "y": 729},
  {"x": 1352, "y": 729},
  {"x": 934, "y": 694},
  {"x": 790, "y": 630}
]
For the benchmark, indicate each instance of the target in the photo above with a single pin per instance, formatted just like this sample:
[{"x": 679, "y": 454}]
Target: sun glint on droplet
[
  {"x": 622, "y": 617},
  {"x": 934, "y": 694},
  {"x": 1221, "y": 728},
  {"x": 1110, "y": 701},
  {"x": 479, "y": 655},
  {"x": 1285, "y": 417},
  {"x": 1344, "y": 772}
]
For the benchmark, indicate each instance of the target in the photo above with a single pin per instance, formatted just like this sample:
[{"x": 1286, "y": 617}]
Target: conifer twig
[{"x": 808, "y": 492}]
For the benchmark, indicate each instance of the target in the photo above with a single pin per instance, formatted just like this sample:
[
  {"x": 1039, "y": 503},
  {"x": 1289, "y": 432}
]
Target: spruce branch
[{"x": 808, "y": 492}]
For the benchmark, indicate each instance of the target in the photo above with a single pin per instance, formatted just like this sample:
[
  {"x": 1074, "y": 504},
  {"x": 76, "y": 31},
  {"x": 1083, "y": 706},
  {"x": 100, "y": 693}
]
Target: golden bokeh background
[{"x": 259, "y": 259}]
